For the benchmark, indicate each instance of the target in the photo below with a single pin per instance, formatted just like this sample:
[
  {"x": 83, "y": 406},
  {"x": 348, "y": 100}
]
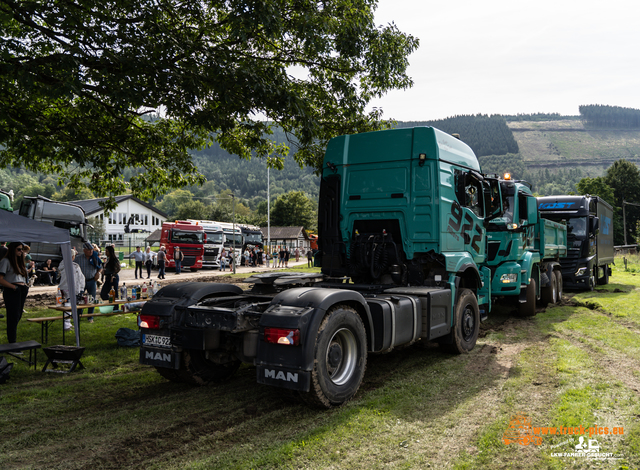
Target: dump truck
[
  {"x": 590, "y": 251},
  {"x": 524, "y": 250},
  {"x": 402, "y": 239}
]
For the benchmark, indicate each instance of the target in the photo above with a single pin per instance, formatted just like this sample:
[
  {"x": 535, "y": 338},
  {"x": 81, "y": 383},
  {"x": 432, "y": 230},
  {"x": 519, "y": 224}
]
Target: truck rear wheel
[
  {"x": 467, "y": 324},
  {"x": 198, "y": 370},
  {"x": 528, "y": 309},
  {"x": 550, "y": 292},
  {"x": 340, "y": 354},
  {"x": 559, "y": 284}
]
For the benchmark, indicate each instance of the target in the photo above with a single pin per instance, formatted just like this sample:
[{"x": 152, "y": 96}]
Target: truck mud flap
[
  {"x": 283, "y": 377},
  {"x": 160, "y": 357}
]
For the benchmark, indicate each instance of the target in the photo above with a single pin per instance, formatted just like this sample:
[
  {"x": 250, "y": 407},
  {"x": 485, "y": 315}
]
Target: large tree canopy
[{"x": 88, "y": 88}]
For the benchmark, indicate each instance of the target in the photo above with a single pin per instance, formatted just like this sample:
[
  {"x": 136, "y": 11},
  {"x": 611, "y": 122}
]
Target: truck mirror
[
  {"x": 595, "y": 225},
  {"x": 532, "y": 210}
]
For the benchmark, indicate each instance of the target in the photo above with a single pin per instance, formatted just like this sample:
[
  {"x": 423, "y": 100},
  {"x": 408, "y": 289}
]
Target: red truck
[{"x": 189, "y": 237}]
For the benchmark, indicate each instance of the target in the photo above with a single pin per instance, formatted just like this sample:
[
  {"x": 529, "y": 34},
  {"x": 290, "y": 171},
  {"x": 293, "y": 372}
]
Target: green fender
[{"x": 529, "y": 260}]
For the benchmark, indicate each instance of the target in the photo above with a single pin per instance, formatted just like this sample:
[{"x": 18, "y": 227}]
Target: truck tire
[
  {"x": 550, "y": 292},
  {"x": 528, "y": 309},
  {"x": 467, "y": 324},
  {"x": 196, "y": 369},
  {"x": 604, "y": 280},
  {"x": 340, "y": 358},
  {"x": 559, "y": 283}
]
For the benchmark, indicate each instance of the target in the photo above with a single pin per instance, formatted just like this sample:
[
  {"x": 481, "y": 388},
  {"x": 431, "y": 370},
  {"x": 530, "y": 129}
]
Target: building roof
[
  {"x": 285, "y": 233},
  {"x": 92, "y": 206},
  {"x": 154, "y": 237}
]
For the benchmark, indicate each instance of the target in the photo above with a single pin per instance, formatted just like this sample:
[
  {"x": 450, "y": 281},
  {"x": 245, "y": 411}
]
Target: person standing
[
  {"x": 281, "y": 258},
  {"x": 310, "y": 258},
  {"x": 297, "y": 253},
  {"x": 13, "y": 279},
  {"x": 287, "y": 254},
  {"x": 91, "y": 268},
  {"x": 148, "y": 261},
  {"x": 223, "y": 260},
  {"x": 178, "y": 258},
  {"x": 139, "y": 257},
  {"x": 111, "y": 270},
  {"x": 78, "y": 282},
  {"x": 162, "y": 258}
]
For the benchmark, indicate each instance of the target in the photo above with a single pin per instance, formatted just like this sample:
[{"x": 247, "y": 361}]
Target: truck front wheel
[
  {"x": 467, "y": 324},
  {"x": 604, "y": 280},
  {"x": 340, "y": 358}
]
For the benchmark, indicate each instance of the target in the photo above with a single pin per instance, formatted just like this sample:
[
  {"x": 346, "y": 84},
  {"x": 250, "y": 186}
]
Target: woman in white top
[
  {"x": 78, "y": 282},
  {"x": 13, "y": 279}
]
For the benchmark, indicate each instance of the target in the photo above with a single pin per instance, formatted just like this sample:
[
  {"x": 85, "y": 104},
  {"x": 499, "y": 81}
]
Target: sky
[{"x": 511, "y": 56}]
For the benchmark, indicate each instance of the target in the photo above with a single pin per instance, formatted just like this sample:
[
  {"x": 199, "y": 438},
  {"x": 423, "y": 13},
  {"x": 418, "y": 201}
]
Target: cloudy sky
[{"x": 510, "y": 56}]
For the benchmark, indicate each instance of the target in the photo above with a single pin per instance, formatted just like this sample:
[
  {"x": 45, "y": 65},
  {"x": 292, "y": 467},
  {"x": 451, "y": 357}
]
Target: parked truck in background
[
  {"x": 590, "y": 238},
  {"x": 59, "y": 214},
  {"x": 252, "y": 237},
  {"x": 233, "y": 240},
  {"x": 402, "y": 239},
  {"x": 190, "y": 237},
  {"x": 524, "y": 250},
  {"x": 213, "y": 244}
]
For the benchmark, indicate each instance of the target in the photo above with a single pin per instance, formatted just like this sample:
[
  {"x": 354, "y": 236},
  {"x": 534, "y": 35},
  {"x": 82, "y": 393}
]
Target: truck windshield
[
  {"x": 183, "y": 236},
  {"x": 577, "y": 227},
  {"x": 214, "y": 238},
  {"x": 253, "y": 238},
  {"x": 229, "y": 240}
]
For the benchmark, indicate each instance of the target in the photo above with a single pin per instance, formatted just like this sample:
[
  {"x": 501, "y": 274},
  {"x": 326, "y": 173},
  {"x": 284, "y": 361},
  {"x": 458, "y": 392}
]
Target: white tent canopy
[{"x": 16, "y": 228}]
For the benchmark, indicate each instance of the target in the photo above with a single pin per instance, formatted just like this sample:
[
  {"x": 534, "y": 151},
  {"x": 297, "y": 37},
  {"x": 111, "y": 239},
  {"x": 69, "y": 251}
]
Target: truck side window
[{"x": 469, "y": 192}]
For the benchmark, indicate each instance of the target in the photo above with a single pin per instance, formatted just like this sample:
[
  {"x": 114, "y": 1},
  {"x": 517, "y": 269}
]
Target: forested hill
[
  {"x": 486, "y": 135},
  {"x": 551, "y": 151}
]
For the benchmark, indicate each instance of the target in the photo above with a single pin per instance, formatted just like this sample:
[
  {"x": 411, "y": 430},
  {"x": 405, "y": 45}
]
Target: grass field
[{"x": 572, "y": 365}]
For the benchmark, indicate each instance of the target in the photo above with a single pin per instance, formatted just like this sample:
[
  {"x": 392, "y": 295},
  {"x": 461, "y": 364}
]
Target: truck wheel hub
[{"x": 335, "y": 355}]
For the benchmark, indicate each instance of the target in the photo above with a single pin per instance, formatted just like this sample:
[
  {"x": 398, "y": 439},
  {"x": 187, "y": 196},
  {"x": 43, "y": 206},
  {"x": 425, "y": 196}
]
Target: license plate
[{"x": 156, "y": 340}]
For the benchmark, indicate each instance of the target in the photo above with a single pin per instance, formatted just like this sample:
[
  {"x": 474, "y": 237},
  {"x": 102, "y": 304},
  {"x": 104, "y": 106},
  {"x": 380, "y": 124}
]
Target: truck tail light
[
  {"x": 286, "y": 336},
  {"x": 151, "y": 322}
]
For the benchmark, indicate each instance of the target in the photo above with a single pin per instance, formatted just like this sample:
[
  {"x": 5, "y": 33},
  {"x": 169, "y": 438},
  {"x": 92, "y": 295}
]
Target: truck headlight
[
  {"x": 581, "y": 271},
  {"x": 507, "y": 278}
]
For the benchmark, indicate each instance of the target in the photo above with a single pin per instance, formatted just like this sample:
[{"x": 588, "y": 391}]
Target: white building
[{"x": 142, "y": 218}]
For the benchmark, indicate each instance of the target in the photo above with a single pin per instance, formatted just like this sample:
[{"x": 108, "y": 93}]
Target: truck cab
[
  {"x": 522, "y": 250},
  {"x": 189, "y": 237},
  {"x": 59, "y": 214},
  {"x": 590, "y": 252}
]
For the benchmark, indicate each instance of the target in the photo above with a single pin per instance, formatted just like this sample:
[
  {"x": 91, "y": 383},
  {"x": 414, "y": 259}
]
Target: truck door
[{"x": 467, "y": 213}]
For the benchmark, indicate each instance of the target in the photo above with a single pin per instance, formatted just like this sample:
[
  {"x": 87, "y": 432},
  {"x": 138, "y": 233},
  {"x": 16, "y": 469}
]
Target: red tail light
[
  {"x": 286, "y": 336},
  {"x": 151, "y": 322}
]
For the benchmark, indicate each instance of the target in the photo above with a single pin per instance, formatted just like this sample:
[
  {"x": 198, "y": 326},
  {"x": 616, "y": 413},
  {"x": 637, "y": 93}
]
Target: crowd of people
[{"x": 92, "y": 270}]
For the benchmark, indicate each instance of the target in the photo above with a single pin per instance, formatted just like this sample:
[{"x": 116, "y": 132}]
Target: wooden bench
[
  {"x": 46, "y": 321},
  {"x": 30, "y": 346}
]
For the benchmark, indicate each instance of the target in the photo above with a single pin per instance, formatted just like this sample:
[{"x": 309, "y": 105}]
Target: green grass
[{"x": 418, "y": 407}]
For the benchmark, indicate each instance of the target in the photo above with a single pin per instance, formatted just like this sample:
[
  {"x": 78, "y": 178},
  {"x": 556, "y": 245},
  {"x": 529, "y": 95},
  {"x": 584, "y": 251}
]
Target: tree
[
  {"x": 597, "y": 187},
  {"x": 624, "y": 178},
  {"x": 90, "y": 89},
  {"x": 294, "y": 209},
  {"x": 97, "y": 230},
  {"x": 197, "y": 210},
  {"x": 172, "y": 201}
]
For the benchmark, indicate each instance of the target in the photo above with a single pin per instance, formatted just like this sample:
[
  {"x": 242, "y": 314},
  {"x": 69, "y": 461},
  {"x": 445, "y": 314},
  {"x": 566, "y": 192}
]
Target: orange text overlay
[{"x": 522, "y": 431}]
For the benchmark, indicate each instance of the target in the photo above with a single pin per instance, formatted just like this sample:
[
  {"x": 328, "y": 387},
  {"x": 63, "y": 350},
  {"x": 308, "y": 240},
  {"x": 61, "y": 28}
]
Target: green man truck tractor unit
[
  {"x": 402, "y": 225},
  {"x": 590, "y": 236},
  {"x": 524, "y": 250}
]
